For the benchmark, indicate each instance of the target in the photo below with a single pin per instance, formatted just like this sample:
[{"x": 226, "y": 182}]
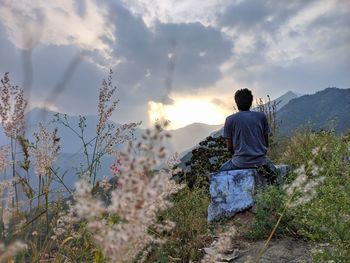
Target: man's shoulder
[
  {"x": 241, "y": 115},
  {"x": 258, "y": 114},
  {"x": 230, "y": 117}
]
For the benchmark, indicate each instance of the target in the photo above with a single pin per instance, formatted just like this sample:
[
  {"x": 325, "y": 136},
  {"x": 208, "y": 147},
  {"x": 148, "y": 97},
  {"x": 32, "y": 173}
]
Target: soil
[{"x": 286, "y": 250}]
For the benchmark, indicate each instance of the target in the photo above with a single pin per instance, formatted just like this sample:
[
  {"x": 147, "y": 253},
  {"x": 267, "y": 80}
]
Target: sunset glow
[{"x": 185, "y": 111}]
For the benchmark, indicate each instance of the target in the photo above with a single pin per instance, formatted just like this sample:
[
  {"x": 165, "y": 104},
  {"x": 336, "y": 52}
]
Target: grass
[
  {"x": 325, "y": 218},
  {"x": 191, "y": 232}
]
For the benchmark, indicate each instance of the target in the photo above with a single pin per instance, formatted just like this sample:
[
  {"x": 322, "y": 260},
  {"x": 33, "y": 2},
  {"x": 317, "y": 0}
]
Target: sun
[{"x": 185, "y": 111}]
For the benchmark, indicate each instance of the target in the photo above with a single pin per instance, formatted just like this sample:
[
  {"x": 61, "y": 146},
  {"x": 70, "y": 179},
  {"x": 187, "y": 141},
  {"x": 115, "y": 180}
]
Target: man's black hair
[{"x": 244, "y": 99}]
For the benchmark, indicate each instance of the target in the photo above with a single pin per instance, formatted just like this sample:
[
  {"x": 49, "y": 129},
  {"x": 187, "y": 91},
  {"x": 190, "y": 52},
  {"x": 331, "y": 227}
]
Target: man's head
[{"x": 244, "y": 99}]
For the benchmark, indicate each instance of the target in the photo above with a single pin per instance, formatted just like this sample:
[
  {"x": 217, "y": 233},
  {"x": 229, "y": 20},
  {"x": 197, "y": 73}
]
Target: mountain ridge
[{"x": 325, "y": 109}]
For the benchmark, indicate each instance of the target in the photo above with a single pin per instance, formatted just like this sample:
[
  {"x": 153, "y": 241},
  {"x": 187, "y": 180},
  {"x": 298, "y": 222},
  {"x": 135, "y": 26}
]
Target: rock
[
  {"x": 232, "y": 191},
  {"x": 286, "y": 250},
  {"x": 229, "y": 257}
]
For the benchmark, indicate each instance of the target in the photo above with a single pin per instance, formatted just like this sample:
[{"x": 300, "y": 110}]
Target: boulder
[{"x": 233, "y": 191}]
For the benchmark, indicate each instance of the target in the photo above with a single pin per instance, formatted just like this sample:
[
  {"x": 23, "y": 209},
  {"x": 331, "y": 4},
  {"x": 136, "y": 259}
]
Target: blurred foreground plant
[
  {"x": 107, "y": 135},
  {"x": 36, "y": 225},
  {"x": 7, "y": 249},
  {"x": 12, "y": 108},
  {"x": 121, "y": 228}
]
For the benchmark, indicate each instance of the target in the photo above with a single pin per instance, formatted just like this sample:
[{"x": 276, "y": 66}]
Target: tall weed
[{"x": 316, "y": 197}]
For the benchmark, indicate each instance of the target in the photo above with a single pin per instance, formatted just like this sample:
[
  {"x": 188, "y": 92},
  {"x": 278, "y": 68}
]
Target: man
[{"x": 246, "y": 133}]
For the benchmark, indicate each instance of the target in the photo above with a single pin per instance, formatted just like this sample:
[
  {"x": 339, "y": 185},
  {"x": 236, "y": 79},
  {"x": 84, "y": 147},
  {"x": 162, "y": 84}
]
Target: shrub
[
  {"x": 316, "y": 196},
  {"x": 191, "y": 231},
  {"x": 269, "y": 203},
  {"x": 326, "y": 219},
  {"x": 206, "y": 158}
]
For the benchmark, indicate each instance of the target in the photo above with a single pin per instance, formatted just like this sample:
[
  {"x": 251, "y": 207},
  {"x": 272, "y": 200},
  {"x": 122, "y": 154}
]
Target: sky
[{"x": 181, "y": 60}]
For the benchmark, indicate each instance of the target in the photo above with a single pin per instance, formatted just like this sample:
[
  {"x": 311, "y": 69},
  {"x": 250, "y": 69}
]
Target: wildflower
[
  {"x": 46, "y": 150},
  {"x": 4, "y": 162},
  {"x": 6, "y": 195},
  {"x": 142, "y": 194},
  {"x": 315, "y": 170},
  {"x": 7, "y": 252},
  {"x": 308, "y": 192},
  {"x": 303, "y": 185},
  {"x": 315, "y": 151},
  {"x": 298, "y": 182},
  {"x": 173, "y": 163},
  {"x": 115, "y": 167},
  {"x": 12, "y": 108},
  {"x": 104, "y": 184},
  {"x": 106, "y": 104}
]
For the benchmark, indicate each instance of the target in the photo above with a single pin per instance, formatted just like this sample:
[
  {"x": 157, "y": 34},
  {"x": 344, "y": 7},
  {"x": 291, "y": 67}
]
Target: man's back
[{"x": 247, "y": 130}]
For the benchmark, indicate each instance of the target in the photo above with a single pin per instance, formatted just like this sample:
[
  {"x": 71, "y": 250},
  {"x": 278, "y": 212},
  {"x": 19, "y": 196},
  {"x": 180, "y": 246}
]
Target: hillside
[
  {"x": 181, "y": 139},
  {"x": 71, "y": 147},
  {"x": 285, "y": 98},
  {"x": 185, "y": 138},
  {"x": 326, "y": 109}
]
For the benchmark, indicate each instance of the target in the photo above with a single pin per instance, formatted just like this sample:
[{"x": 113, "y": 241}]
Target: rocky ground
[{"x": 229, "y": 246}]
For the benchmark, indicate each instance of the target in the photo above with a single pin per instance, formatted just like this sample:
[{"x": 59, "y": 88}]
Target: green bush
[{"x": 205, "y": 159}]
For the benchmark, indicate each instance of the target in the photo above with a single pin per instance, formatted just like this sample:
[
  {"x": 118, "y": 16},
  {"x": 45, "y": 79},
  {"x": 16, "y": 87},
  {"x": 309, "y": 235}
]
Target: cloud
[
  {"x": 302, "y": 47},
  {"x": 148, "y": 56},
  {"x": 79, "y": 23},
  {"x": 183, "y": 11},
  {"x": 148, "y": 63},
  {"x": 192, "y": 47},
  {"x": 269, "y": 15}
]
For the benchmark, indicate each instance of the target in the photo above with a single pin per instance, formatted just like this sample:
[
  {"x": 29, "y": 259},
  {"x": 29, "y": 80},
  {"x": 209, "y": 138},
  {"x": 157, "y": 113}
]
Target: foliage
[
  {"x": 276, "y": 141},
  {"x": 191, "y": 232},
  {"x": 269, "y": 108},
  {"x": 326, "y": 218},
  {"x": 91, "y": 231},
  {"x": 107, "y": 135},
  {"x": 205, "y": 159},
  {"x": 119, "y": 228},
  {"x": 269, "y": 203},
  {"x": 315, "y": 200}
]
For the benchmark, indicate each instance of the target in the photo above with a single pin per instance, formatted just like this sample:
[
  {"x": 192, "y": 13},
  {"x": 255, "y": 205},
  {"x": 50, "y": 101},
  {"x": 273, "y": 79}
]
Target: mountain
[
  {"x": 184, "y": 138},
  {"x": 285, "y": 98},
  {"x": 181, "y": 139},
  {"x": 326, "y": 109},
  {"x": 72, "y": 156}
]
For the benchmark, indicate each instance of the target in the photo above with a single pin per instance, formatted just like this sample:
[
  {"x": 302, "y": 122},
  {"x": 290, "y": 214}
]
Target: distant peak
[
  {"x": 289, "y": 92},
  {"x": 38, "y": 110}
]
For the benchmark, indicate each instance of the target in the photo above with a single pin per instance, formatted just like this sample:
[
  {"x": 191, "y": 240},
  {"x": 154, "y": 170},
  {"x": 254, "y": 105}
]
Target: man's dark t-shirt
[{"x": 247, "y": 129}]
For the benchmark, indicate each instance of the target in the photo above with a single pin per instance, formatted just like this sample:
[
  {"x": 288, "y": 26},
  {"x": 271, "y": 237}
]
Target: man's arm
[
  {"x": 228, "y": 135},
  {"x": 229, "y": 146},
  {"x": 266, "y": 140}
]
